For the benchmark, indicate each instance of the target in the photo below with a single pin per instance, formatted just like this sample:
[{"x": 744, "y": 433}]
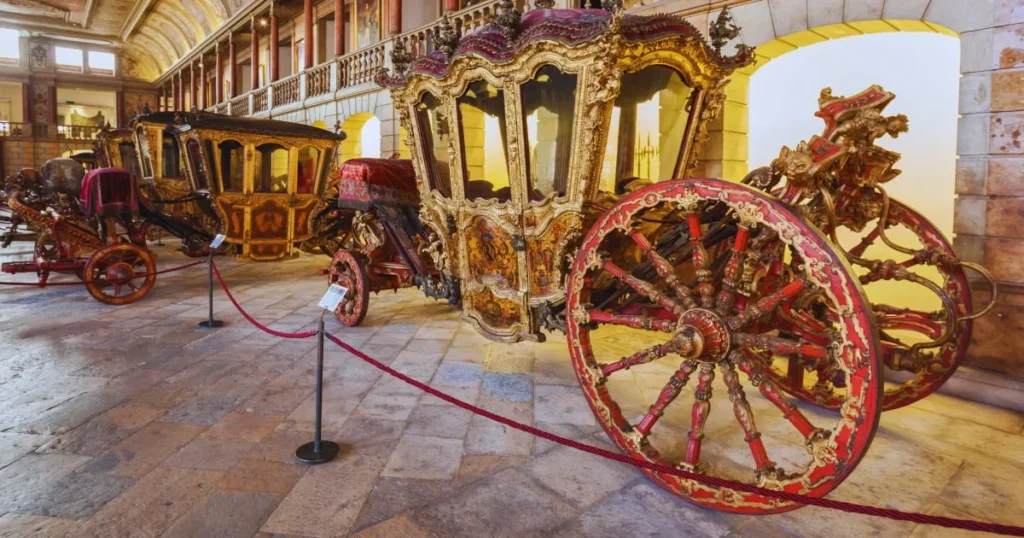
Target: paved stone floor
[{"x": 131, "y": 422}]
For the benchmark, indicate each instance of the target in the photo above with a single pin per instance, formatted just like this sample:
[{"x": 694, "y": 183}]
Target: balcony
[{"x": 346, "y": 75}]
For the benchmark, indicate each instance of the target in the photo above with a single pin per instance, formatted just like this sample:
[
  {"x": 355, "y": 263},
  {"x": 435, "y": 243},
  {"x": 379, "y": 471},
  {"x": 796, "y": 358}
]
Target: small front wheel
[
  {"x": 348, "y": 270},
  {"x": 120, "y": 274}
]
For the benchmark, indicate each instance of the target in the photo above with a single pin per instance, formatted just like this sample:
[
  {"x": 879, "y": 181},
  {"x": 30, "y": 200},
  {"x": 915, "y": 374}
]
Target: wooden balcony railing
[
  {"x": 318, "y": 80},
  {"x": 240, "y": 105},
  {"x": 260, "y": 101},
  {"x": 12, "y": 129},
  {"x": 352, "y": 69},
  {"x": 361, "y": 66},
  {"x": 287, "y": 90}
]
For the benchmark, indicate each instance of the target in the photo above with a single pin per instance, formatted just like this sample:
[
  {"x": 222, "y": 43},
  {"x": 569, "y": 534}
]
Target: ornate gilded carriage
[
  {"x": 259, "y": 182},
  {"x": 545, "y": 147},
  {"x": 547, "y": 89}
]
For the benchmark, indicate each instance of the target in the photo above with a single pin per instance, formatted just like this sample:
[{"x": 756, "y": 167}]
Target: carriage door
[
  {"x": 494, "y": 289},
  {"x": 283, "y": 188}
]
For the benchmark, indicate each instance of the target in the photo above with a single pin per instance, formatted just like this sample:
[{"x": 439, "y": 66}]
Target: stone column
[
  {"x": 119, "y": 108},
  {"x": 394, "y": 17},
  {"x": 202, "y": 82},
  {"x": 193, "y": 84},
  {"x": 174, "y": 91},
  {"x": 255, "y": 54},
  {"x": 989, "y": 212},
  {"x": 275, "y": 72},
  {"x": 339, "y": 27},
  {"x": 232, "y": 67},
  {"x": 218, "y": 75},
  {"x": 307, "y": 25}
]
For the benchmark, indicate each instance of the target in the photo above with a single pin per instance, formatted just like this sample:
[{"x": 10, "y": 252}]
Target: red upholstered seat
[
  {"x": 109, "y": 192},
  {"x": 364, "y": 182}
]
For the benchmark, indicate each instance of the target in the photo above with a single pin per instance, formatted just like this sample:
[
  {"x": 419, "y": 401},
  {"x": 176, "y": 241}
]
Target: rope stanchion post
[
  {"x": 211, "y": 323},
  {"x": 318, "y": 451}
]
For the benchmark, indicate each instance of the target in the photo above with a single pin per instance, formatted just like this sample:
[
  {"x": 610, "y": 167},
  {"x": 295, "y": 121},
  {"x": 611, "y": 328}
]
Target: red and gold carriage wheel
[
  {"x": 907, "y": 314},
  {"x": 120, "y": 274},
  {"x": 655, "y": 363},
  {"x": 348, "y": 271}
]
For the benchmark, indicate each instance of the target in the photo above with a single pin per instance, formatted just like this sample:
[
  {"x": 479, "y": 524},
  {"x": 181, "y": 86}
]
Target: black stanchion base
[
  {"x": 328, "y": 451},
  {"x": 211, "y": 324}
]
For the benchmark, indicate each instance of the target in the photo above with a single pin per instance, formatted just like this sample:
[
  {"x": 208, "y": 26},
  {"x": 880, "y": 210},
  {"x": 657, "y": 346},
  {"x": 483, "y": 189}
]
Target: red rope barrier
[
  {"x": 843, "y": 506},
  {"x": 899, "y": 515},
  {"x": 252, "y": 320}
]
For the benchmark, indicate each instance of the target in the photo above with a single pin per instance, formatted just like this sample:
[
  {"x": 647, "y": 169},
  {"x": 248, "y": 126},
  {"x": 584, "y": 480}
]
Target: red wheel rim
[
  {"x": 120, "y": 274},
  {"x": 715, "y": 322},
  {"x": 346, "y": 270},
  {"x": 945, "y": 360}
]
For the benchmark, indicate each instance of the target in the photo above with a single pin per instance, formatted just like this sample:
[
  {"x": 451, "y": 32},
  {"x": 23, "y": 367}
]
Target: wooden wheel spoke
[
  {"x": 668, "y": 395},
  {"x": 745, "y": 417},
  {"x": 780, "y": 346},
  {"x": 664, "y": 268},
  {"x": 133, "y": 287},
  {"x": 699, "y": 413},
  {"x": 911, "y": 320},
  {"x": 699, "y": 257},
  {"x": 727, "y": 295},
  {"x": 772, "y": 393},
  {"x": 766, "y": 304},
  {"x": 117, "y": 290},
  {"x": 636, "y": 322},
  {"x": 643, "y": 356},
  {"x": 643, "y": 288}
]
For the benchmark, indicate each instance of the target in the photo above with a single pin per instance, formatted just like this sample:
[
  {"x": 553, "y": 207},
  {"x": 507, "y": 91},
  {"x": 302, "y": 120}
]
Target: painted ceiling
[{"x": 153, "y": 34}]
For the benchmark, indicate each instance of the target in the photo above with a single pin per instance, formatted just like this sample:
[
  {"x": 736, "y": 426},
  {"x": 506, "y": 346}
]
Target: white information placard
[
  {"x": 333, "y": 297},
  {"x": 217, "y": 241}
]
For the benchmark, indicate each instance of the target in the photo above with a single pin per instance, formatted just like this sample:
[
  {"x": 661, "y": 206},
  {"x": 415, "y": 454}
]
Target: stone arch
[
  {"x": 352, "y": 146},
  {"x": 777, "y": 27}
]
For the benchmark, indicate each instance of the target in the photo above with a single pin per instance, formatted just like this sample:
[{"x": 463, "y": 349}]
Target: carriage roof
[
  {"x": 499, "y": 43},
  {"x": 181, "y": 122}
]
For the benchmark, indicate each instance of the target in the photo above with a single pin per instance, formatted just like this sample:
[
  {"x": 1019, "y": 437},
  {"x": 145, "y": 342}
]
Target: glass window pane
[
  {"x": 101, "y": 61},
  {"x": 211, "y": 161},
  {"x": 549, "y": 104},
  {"x": 129, "y": 161},
  {"x": 171, "y": 158},
  {"x": 195, "y": 158},
  {"x": 436, "y": 131},
  {"x": 9, "y": 48},
  {"x": 232, "y": 165},
  {"x": 68, "y": 57},
  {"x": 482, "y": 120},
  {"x": 307, "y": 170},
  {"x": 272, "y": 169},
  {"x": 648, "y": 125}
]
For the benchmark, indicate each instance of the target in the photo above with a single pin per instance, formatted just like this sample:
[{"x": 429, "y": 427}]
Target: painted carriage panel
[
  {"x": 492, "y": 257},
  {"x": 269, "y": 220}
]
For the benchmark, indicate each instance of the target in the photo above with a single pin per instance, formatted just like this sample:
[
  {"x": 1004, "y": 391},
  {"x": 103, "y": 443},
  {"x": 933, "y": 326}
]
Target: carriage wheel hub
[
  {"x": 707, "y": 334},
  {"x": 120, "y": 273}
]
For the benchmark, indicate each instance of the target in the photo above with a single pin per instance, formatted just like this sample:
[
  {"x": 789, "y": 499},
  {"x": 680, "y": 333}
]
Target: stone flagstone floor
[{"x": 129, "y": 421}]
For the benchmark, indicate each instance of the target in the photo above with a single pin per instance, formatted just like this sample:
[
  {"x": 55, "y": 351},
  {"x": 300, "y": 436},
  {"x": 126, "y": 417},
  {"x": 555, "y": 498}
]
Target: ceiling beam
[
  {"x": 90, "y": 5},
  {"x": 135, "y": 18}
]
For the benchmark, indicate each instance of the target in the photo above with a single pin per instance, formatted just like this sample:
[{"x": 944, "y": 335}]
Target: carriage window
[
  {"x": 484, "y": 135},
  {"x": 271, "y": 169},
  {"x": 648, "y": 124},
  {"x": 145, "y": 153},
  {"x": 171, "y": 158},
  {"x": 548, "y": 103},
  {"x": 128, "y": 161},
  {"x": 436, "y": 130},
  {"x": 307, "y": 170},
  {"x": 211, "y": 162},
  {"x": 232, "y": 165},
  {"x": 325, "y": 168},
  {"x": 199, "y": 171}
]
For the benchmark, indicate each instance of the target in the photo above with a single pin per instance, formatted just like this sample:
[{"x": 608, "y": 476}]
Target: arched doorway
[
  {"x": 363, "y": 136},
  {"x": 922, "y": 69}
]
